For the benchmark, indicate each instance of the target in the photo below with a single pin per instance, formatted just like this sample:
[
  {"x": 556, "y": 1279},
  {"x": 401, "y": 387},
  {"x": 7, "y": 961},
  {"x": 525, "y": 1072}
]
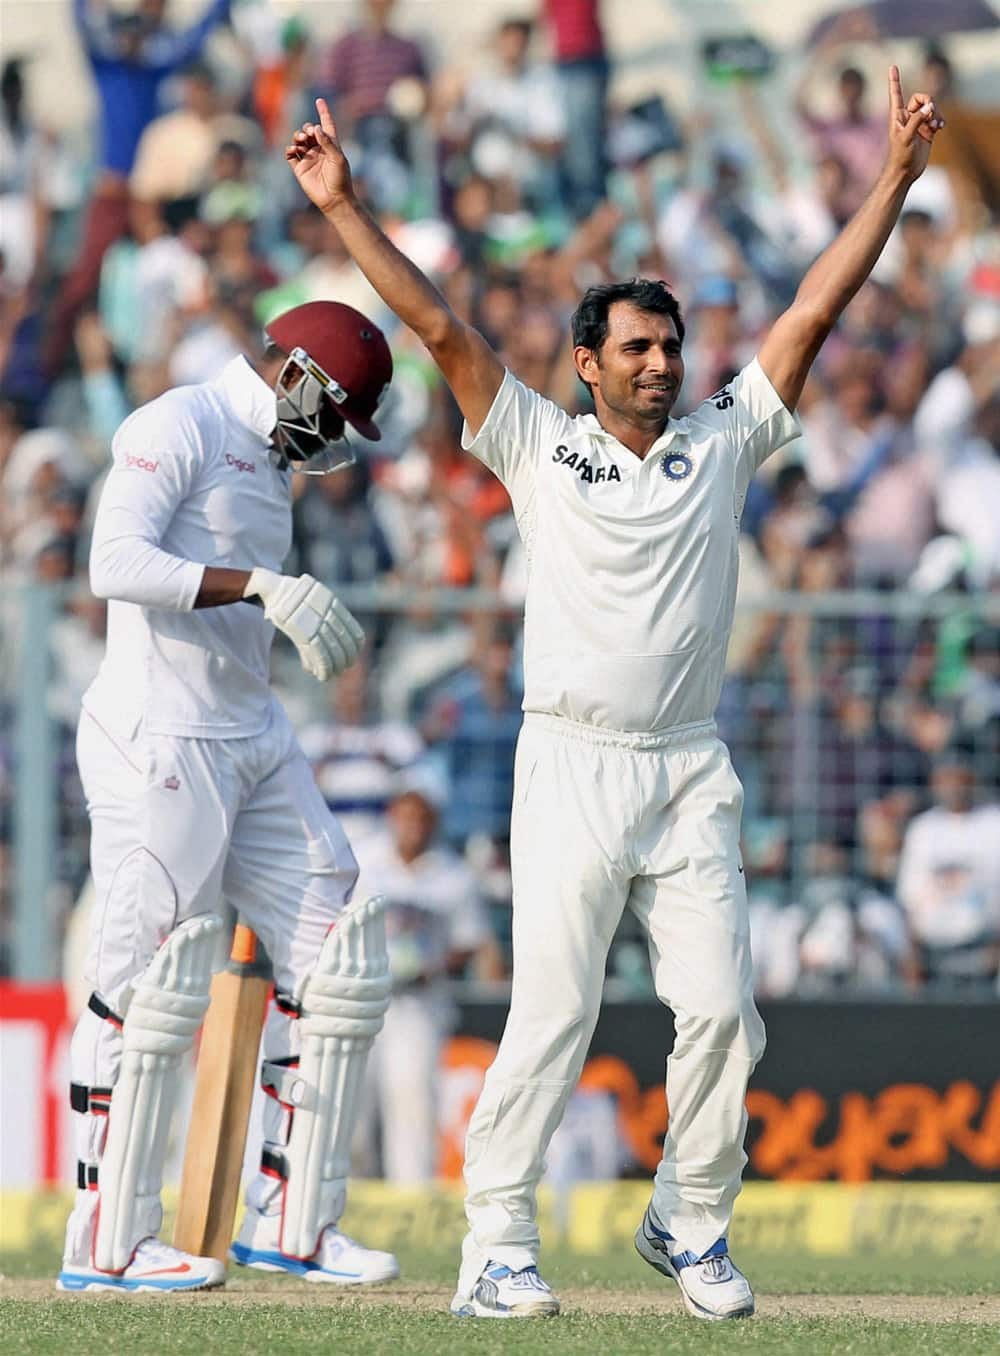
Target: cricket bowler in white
[
  {"x": 623, "y": 794},
  {"x": 197, "y": 790}
]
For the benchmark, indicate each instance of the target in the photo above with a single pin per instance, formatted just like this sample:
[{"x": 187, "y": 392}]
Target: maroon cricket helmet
[{"x": 341, "y": 350}]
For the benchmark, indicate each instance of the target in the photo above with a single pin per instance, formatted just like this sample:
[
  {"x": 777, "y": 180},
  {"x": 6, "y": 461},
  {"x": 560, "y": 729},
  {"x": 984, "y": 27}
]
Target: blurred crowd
[{"x": 866, "y": 731}]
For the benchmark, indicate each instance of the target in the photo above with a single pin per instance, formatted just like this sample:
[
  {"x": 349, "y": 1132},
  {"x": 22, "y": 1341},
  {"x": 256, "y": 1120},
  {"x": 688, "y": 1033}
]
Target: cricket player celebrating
[
  {"x": 197, "y": 789},
  {"x": 623, "y": 794}
]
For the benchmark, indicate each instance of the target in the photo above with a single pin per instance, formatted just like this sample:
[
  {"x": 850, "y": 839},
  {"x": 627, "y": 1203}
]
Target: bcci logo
[{"x": 676, "y": 465}]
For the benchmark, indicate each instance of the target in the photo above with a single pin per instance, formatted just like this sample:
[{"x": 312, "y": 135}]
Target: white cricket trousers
[
  {"x": 178, "y": 825},
  {"x": 602, "y": 820}
]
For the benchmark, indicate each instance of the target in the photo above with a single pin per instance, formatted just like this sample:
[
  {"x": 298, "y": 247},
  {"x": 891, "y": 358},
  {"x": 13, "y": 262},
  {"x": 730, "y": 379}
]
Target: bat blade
[{"x": 224, "y": 1086}]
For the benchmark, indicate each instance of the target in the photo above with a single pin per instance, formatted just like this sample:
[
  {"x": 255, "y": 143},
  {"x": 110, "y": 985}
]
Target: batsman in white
[
  {"x": 623, "y": 794},
  {"x": 197, "y": 790}
]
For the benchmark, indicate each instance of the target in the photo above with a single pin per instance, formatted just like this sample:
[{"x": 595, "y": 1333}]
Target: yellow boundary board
[{"x": 822, "y": 1219}]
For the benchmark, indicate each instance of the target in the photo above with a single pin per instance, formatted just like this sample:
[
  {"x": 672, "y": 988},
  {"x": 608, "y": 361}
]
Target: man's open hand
[
  {"x": 318, "y": 161},
  {"x": 912, "y": 128}
]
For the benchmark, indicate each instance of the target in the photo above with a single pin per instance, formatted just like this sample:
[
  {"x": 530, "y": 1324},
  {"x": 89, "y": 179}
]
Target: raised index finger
[
  {"x": 896, "y": 94},
  {"x": 326, "y": 119}
]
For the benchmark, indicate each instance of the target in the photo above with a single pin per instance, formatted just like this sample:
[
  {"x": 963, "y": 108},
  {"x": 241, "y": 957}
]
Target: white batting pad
[
  {"x": 165, "y": 1009},
  {"x": 343, "y": 1005}
]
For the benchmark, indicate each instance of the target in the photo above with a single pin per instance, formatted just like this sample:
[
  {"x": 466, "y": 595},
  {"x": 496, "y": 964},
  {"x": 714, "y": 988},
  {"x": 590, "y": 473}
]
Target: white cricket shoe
[
  {"x": 154, "y": 1266},
  {"x": 338, "y": 1260},
  {"x": 502, "y": 1293},
  {"x": 711, "y": 1286}
]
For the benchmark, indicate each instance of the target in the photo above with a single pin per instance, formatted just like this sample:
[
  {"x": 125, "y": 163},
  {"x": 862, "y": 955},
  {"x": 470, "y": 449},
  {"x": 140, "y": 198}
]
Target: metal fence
[{"x": 837, "y": 708}]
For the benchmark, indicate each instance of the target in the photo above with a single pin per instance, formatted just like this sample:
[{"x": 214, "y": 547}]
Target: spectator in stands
[
  {"x": 506, "y": 117},
  {"x": 230, "y": 191},
  {"x": 582, "y": 68},
  {"x": 360, "y": 72},
  {"x": 130, "y": 56},
  {"x": 281, "y": 77},
  {"x": 972, "y": 159},
  {"x": 340, "y": 538},
  {"x": 356, "y": 756},
  {"x": 719, "y": 230},
  {"x": 474, "y": 722},
  {"x": 24, "y": 209},
  {"x": 435, "y": 926},
  {"x": 851, "y": 134},
  {"x": 949, "y": 879},
  {"x": 145, "y": 280},
  {"x": 177, "y": 151},
  {"x": 851, "y": 935}
]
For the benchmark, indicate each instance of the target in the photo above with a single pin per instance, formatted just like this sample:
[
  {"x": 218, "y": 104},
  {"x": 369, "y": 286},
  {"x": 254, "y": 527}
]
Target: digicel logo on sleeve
[{"x": 140, "y": 463}]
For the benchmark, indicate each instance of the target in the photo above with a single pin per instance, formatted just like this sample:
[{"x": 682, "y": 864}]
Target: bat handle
[
  {"x": 244, "y": 948},
  {"x": 247, "y": 956}
]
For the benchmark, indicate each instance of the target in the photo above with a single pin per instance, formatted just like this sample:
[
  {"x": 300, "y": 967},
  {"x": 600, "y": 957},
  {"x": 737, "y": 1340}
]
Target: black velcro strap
[
  {"x": 274, "y": 1165},
  {"x": 98, "y": 1006},
  {"x": 285, "y": 1003},
  {"x": 86, "y": 1176},
  {"x": 82, "y": 1098}
]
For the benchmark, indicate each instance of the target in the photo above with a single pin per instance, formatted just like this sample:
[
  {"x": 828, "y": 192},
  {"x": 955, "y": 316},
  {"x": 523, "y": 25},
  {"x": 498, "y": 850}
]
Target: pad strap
[
  {"x": 273, "y": 1164},
  {"x": 97, "y": 1005},
  {"x": 95, "y": 1100},
  {"x": 86, "y": 1176},
  {"x": 280, "y": 1079},
  {"x": 287, "y": 1003}
]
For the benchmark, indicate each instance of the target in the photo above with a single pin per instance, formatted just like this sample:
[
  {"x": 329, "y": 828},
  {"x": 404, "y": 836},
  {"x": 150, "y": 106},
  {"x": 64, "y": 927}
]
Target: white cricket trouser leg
[
  {"x": 176, "y": 824},
  {"x": 693, "y": 903},
  {"x": 404, "y": 1068},
  {"x": 601, "y": 820}
]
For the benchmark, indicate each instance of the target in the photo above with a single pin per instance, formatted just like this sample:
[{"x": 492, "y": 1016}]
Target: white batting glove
[{"x": 325, "y": 634}]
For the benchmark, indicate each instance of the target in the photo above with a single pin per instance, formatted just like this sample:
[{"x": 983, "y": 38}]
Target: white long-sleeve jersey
[
  {"x": 192, "y": 485},
  {"x": 632, "y": 564}
]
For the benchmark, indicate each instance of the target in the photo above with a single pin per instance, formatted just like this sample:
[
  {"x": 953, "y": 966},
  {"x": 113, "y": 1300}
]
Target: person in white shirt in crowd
[
  {"x": 436, "y": 925},
  {"x": 507, "y": 114},
  {"x": 198, "y": 791},
  {"x": 623, "y": 793},
  {"x": 356, "y": 757},
  {"x": 949, "y": 879}
]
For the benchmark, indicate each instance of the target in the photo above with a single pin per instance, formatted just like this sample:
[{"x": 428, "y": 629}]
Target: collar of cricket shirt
[
  {"x": 252, "y": 401},
  {"x": 590, "y": 426}
]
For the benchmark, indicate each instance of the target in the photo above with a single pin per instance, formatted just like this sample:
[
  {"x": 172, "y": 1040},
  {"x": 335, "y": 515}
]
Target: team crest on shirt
[{"x": 676, "y": 465}]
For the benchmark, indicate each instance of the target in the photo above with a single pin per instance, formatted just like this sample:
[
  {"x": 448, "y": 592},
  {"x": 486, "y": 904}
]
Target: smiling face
[{"x": 636, "y": 374}]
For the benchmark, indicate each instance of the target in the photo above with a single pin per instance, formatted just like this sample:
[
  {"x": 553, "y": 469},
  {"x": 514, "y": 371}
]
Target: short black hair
[{"x": 590, "y": 319}]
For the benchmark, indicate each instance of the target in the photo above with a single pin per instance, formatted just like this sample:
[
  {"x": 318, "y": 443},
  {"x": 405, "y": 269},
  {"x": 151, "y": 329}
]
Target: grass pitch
[{"x": 852, "y": 1307}]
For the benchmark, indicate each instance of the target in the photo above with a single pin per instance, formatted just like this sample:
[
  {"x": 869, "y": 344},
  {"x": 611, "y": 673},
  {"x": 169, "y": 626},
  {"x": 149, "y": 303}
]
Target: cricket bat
[{"x": 224, "y": 1085}]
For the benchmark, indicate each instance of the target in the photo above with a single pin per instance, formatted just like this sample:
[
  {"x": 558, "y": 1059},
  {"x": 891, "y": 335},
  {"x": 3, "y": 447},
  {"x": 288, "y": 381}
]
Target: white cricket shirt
[
  {"x": 632, "y": 565},
  {"x": 192, "y": 485}
]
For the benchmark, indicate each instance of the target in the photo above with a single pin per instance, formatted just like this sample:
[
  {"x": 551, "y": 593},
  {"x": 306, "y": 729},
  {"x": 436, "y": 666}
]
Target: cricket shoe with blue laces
[
  {"x": 338, "y": 1260},
  {"x": 155, "y": 1267},
  {"x": 500, "y": 1292},
  {"x": 711, "y": 1285}
]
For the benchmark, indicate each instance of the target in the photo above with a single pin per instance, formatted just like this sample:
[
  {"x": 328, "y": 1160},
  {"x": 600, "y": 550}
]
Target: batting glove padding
[{"x": 325, "y": 634}]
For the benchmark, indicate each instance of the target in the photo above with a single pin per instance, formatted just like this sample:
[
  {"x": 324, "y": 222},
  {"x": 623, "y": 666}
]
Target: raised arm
[
  {"x": 791, "y": 347},
  {"x": 468, "y": 364},
  {"x": 174, "y": 50}
]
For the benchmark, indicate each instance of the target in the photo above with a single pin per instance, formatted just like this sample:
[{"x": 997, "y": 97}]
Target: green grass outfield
[{"x": 944, "y": 1306}]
